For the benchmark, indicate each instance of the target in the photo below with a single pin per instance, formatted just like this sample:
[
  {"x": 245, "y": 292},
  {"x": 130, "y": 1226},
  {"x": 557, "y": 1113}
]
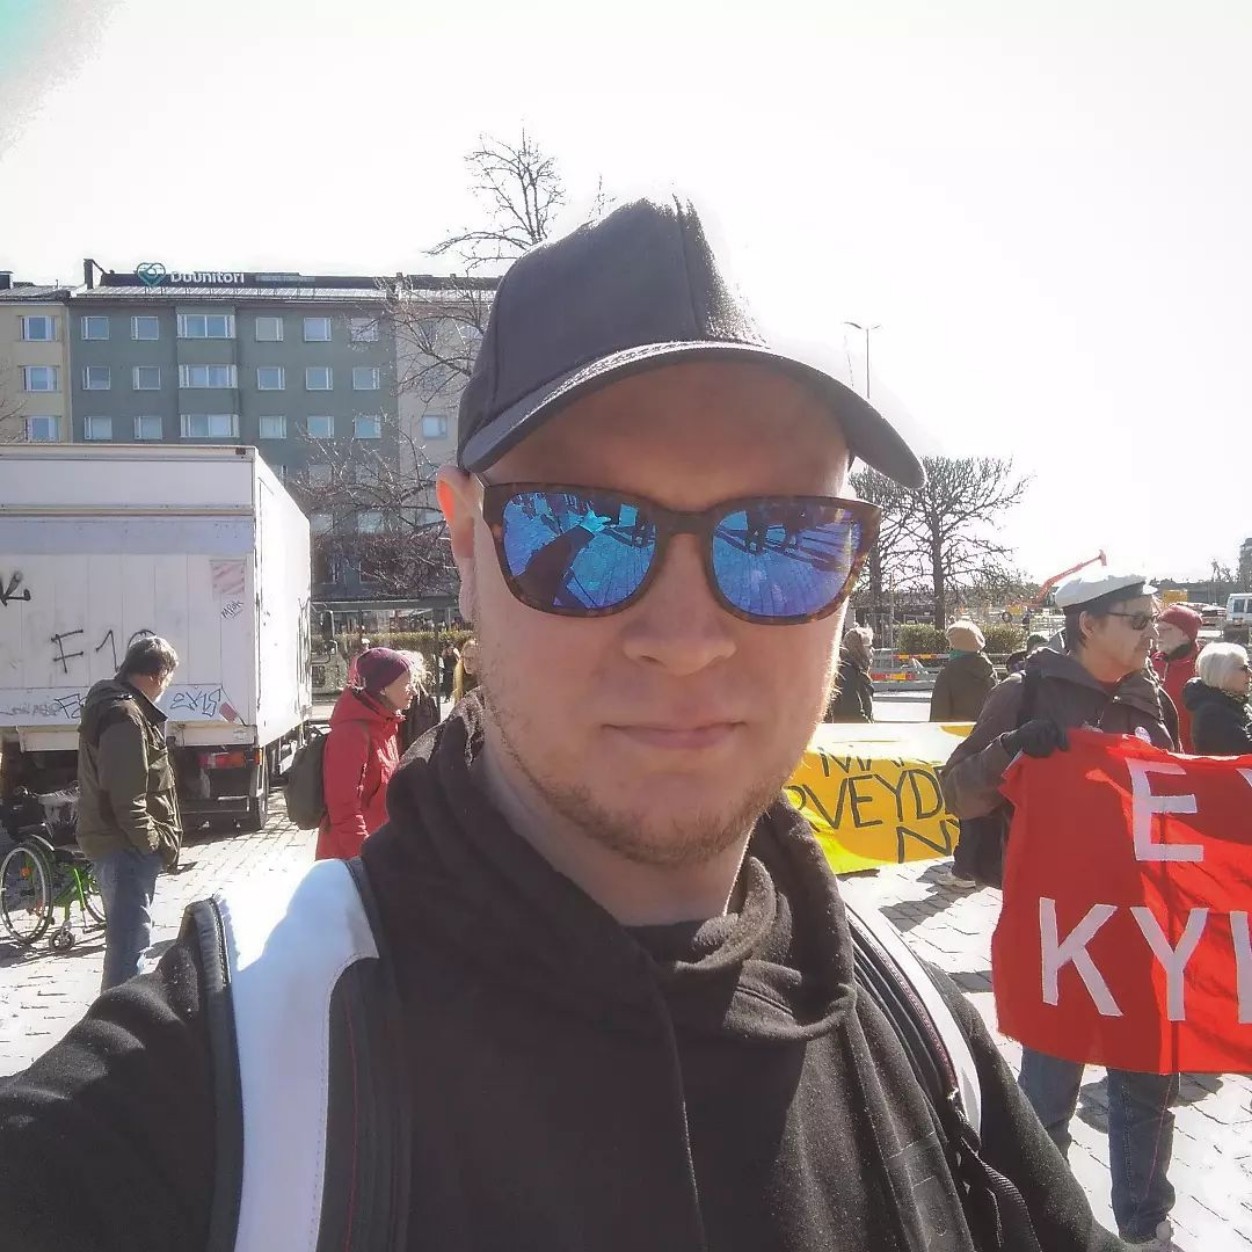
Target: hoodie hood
[
  {"x": 449, "y": 870},
  {"x": 1137, "y": 689},
  {"x": 111, "y": 693},
  {"x": 357, "y": 705}
]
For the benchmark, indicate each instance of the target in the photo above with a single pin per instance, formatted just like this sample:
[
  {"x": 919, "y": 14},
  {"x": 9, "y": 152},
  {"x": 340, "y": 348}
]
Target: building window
[
  {"x": 269, "y": 330},
  {"x": 367, "y": 427},
  {"x": 145, "y": 327},
  {"x": 272, "y": 428},
  {"x": 210, "y": 425},
  {"x": 317, "y": 330},
  {"x": 369, "y": 522},
  {"x": 368, "y": 476},
  {"x": 364, "y": 378},
  {"x": 43, "y": 429},
  {"x": 97, "y": 378},
  {"x": 320, "y": 427},
  {"x": 319, "y": 523},
  {"x": 206, "y": 326},
  {"x": 39, "y": 328},
  {"x": 95, "y": 326},
  {"x": 319, "y": 378},
  {"x": 97, "y": 428},
  {"x": 147, "y": 428},
  {"x": 41, "y": 378},
  {"x": 146, "y": 378},
  {"x": 270, "y": 378},
  {"x": 363, "y": 329},
  {"x": 206, "y": 376},
  {"x": 434, "y": 426},
  {"x": 319, "y": 475}
]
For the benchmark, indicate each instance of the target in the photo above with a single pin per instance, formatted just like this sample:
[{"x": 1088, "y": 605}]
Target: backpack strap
[
  {"x": 312, "y": 1137},
  {"x": 901, "y": 986}
]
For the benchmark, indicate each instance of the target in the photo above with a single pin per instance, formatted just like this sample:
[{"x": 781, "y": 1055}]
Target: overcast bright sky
[{"x": 1048, "y": 208}]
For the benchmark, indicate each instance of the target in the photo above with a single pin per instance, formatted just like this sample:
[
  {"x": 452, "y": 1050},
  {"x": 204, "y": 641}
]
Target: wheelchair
[{"x": 43, "y": 873}]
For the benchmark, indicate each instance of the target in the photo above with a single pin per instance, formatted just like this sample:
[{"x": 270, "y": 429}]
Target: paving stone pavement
[{"x": 42, "y": 995}]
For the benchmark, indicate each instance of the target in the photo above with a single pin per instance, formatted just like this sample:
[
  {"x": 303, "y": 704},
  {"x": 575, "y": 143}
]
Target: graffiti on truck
[
  {"x": 9, "y": 591},
  {"x": 189, "y": 702}
]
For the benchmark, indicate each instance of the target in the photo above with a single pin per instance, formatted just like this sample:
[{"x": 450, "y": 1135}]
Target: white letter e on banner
[{"x": 1144, "y": 806}]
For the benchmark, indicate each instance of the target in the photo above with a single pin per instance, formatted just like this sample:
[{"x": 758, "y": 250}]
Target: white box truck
[{"x": 201, "y": 545}]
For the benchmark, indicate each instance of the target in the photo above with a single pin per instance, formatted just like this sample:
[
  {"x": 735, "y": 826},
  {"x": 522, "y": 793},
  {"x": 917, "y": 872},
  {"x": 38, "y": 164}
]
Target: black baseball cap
[{"x": 640, "y": 288}]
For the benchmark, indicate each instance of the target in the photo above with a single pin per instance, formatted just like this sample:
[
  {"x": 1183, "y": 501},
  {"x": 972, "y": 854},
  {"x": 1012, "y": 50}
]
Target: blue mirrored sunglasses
[{"x": 586, "y": 552}]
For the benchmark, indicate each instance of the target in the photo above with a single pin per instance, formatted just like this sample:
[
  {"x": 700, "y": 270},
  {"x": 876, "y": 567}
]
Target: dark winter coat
[
  {"x": 127, "y": 796},
  {"x": 1068, "y": 695},
  {"x": 962, "y": 687},
  {"x": 576, "y": 1086},
  {"x": 1221, "y": 723},
  {"x": 361, "y": 755},
  {"x": 853, "y": 698},
  {"x": 422, "y": 715}
]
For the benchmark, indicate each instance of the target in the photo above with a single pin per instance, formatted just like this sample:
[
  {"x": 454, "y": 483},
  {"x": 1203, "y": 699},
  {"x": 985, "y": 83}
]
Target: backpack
[
  {"x": 304, "y": 789},
  {"x": 301, "y": 1005}
]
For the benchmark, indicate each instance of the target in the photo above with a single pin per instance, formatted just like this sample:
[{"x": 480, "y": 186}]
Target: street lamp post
[{"x": 865, "y": 330}]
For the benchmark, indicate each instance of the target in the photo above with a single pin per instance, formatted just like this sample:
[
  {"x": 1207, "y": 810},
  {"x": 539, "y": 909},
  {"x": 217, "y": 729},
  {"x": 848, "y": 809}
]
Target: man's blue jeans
[
  {"x": 1141, "y": 1133},
  {"x": 127, "y": 884}
]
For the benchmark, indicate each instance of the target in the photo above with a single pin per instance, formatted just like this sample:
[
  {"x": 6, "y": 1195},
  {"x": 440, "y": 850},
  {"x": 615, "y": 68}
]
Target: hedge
[{"x": 920, "y": 640}]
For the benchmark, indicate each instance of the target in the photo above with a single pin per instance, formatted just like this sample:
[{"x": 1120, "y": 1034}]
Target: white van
[{"x": 1238, "y": 615}]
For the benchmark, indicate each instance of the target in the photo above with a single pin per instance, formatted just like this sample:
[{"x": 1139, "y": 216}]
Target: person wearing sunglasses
[
  {"x": 1217, "y": 697},
  {"x": 1101, "y": 681},
  {"x": 625, "y": 1011}
]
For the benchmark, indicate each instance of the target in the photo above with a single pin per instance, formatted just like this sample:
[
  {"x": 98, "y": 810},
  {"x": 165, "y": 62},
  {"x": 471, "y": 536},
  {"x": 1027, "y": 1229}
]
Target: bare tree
[
  {"x": 520, "y": 189},
  {"x": 892, "y": 563},
  {"x": 377, "y": 512},
  {"x": 954, "y": 523}
]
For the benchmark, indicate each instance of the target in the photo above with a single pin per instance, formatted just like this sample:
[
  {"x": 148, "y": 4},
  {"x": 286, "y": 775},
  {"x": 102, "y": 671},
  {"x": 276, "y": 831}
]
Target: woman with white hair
[
  {"x": 1217, "y": 699},
  {"x": 423, "y": 713},
  {"x": 852, "y": 699}
]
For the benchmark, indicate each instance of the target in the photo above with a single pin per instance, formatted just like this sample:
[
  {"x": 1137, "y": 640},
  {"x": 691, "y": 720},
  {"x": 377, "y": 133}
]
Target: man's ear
[{"x": 459, "y": 503}]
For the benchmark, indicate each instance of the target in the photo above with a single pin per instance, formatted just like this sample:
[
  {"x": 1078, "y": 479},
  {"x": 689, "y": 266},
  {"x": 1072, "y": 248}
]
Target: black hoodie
[{"x": 575, "y": 1086}]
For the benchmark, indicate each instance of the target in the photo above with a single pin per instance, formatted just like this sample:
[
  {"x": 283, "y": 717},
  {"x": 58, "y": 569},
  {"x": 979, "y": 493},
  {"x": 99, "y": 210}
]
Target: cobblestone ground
[{"x": 42, "y": 995}]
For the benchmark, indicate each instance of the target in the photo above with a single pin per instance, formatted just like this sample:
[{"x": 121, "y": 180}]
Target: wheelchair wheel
[{"x": 25, "y": 894}]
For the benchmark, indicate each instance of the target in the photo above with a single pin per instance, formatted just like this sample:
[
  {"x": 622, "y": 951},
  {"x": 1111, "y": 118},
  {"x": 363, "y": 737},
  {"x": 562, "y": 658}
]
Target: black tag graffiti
[
  {"x": 10, "y": 592},
  {"x": 62, "y": 656}
]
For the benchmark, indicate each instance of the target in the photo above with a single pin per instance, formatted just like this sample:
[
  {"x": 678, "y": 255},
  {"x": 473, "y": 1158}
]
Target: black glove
[{"x": 1040, "y": 737}]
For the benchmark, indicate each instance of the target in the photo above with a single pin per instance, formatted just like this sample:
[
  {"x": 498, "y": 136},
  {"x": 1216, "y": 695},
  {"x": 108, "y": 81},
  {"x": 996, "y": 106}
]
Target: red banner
[{"x": 1124, "y": 938}]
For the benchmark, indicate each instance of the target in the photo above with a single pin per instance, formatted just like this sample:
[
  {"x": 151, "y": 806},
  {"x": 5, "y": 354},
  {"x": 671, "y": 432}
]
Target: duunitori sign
[{"x": 155, "y": 274}]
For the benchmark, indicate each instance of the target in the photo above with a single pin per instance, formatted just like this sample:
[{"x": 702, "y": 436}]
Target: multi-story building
[
  {"x": 34, "y": 362},
  {"x": 301, "y": 366}
]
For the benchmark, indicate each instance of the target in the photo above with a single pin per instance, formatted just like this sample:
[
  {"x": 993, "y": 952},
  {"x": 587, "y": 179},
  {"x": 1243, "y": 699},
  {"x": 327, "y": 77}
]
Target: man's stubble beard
[{"x": 688, "y": 839}]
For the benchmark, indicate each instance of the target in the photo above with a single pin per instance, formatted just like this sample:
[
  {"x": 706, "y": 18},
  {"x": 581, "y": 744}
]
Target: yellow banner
[{"x": 871, "y": 792}]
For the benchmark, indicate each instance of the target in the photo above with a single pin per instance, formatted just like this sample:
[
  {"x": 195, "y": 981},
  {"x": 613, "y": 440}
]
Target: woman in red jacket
[
  {"x": 362, "y": 752},
  {"x": 1178, "y": 628}
]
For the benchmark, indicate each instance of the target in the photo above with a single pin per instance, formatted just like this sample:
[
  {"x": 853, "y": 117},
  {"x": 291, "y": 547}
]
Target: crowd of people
[{"x": 570, "y": 973}]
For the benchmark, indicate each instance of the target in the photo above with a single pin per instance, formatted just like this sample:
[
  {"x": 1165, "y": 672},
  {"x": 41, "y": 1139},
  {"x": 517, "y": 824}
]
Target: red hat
[
  {"x": 380, "y": 667},
  {"x": 1187, "y": 620}
]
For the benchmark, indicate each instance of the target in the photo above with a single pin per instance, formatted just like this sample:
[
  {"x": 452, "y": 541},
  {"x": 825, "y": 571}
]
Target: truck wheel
[{"x": 259, "y": 807}]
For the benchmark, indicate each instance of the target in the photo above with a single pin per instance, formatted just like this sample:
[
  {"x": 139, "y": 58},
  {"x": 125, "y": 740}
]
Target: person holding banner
[{"x": 1101, "y": 682}]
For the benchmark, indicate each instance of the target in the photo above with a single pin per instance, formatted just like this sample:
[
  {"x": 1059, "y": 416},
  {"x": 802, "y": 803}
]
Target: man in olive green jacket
[{"x": 128, "y": 822}]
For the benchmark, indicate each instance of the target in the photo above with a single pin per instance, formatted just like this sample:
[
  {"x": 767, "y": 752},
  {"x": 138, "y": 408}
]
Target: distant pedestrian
[
  {"x": 466, "y": 677},
  {"x": 423, "y": 710},
  {"x": 1217, "y": 700},
  {"x": 353, "y": 677},
  {"x": 853, "y": 697},
  {"x": 362, "y": 752},
  {"x": 967, "y": 677},
  {"x": 1178, "y": 629},
  {"x": 447, "y": 670},
  {"x": 334, "y": 669},
  {"x": 128, "y": 819}
]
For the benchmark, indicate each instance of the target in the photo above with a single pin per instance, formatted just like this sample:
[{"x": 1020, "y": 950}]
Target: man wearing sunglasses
[
  {"x": 1101, "y": 681},
  {"x": 625, "y": 1007}
]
